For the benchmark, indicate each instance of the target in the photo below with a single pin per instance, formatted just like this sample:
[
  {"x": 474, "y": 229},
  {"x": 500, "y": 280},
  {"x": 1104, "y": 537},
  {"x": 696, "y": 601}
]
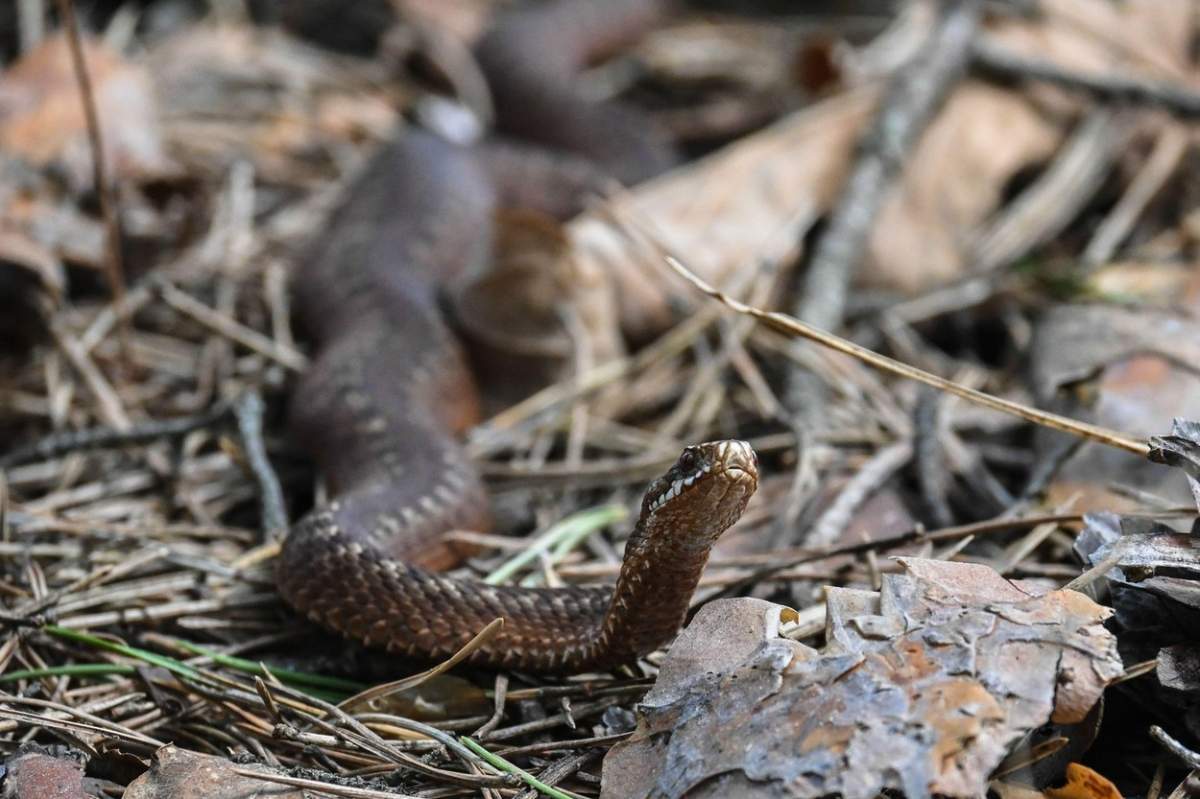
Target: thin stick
[
  {"x": 232, "y": 329},
  {"x": 1176, "y": 98},
  {"x": 1190, "y": 758},
  {"x": 913, "y": 99},
  {"x": 248, "y": 410},
  {"x": 114, "y": 265},
  {"x": 790, "y": 326},
  {"x": 875, "y": 473},
  {"x": 66, "y": 442}
]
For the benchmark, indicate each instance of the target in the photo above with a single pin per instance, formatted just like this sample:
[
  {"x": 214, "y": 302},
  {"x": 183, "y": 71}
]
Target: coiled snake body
[{"x": 389, "y": 389}]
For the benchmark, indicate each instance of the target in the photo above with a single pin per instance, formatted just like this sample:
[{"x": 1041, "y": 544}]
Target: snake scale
[{"x": 389, "y": 390}]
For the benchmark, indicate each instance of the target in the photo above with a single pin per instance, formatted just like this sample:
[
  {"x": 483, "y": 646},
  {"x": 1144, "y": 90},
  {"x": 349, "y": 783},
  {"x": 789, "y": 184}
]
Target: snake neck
[{"x": 650, "y": 600}]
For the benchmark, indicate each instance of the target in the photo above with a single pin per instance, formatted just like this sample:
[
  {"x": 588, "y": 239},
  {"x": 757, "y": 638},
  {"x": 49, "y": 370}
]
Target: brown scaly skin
[
  {"x": 389, "y": 389},
  {"x": 343, "y": 581}
]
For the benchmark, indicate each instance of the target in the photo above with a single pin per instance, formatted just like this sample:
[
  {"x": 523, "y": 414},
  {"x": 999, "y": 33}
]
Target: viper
[{"x": 389, "y": 390}]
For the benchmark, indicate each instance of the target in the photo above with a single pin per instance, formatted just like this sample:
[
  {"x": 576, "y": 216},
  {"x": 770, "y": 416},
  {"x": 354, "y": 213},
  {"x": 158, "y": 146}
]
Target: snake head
[{"x": 706, "y": 490}]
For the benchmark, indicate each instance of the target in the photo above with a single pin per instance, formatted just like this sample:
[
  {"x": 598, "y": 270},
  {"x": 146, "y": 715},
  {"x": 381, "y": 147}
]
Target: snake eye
[{"x": 689, "y": 460}]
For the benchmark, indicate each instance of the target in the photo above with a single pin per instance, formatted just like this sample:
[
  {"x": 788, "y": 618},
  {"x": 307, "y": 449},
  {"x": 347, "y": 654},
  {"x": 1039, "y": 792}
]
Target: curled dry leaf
[
  {"x": 1151, "y": 576},
  {"x": 1159, "y": 553},
  {"x": 1181, "y": 449},
  {"x": 42, "y": 119},
  {"x": 1084, "y": 783},
  {"x": 921, "y": 688},
  {"x": 1178, "y": 667},
  {"x": 1147, "y": 558},
  {"x": 513, "y": 305}
]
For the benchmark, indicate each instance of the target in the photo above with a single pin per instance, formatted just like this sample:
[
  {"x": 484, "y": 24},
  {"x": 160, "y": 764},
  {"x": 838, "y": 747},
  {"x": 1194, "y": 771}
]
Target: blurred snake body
[{"x": 389, "y": 390}]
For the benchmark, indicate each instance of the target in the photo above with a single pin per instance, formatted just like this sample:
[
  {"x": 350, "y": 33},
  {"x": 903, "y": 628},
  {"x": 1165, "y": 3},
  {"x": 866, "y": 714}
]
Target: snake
[{"x": 389, "y": 391}]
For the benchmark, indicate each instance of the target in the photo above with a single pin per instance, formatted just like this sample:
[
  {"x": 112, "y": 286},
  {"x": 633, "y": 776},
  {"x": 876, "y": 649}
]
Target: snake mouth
[{"x": 738, "y": 473}]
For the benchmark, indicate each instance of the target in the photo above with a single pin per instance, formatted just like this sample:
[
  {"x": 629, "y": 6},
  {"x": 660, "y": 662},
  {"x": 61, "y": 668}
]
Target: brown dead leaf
[
  {"x": 180, "y": 774},
  {"x": 734, "y": 628},
  {"x": 1153, "y": 35},
  {"x": 465, "y": 19},
  {"x": 952, "y": 182},
  {"x": 34, "y": 775},
  {"x": 1084, "y": 783},
  {"x": 1132, "y": 369},
  {"x": 1180, "y": 449},
  {"x": 1150, "y": 574},
  {"x": 42, "y": 118},
  {"x": 921, "y": 688},
  {"x": 42, "y": 227},
  {"x": 985, "y": 134},
  {"x": 722, "y": 213}
]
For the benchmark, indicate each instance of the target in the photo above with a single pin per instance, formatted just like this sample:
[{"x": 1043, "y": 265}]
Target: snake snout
[{"x": 736, "y": 456}]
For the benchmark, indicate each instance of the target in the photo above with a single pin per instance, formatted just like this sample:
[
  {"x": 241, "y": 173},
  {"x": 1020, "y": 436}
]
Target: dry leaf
[
  {"x": 33, "y": 775},
  {"x": 723, "y": 213},
  {"x": 921, "y": 688},
  {"x": 520, "y": 310},
  {"x": 984, "y": 135},
  {"x": 1181, "y": 449},
  {"x": 42, "y": 118},
  {"x": 465, "y": 19},
  {"x": 180, "y": 774},
  {"x": 1131, "y": 367},
  {"x": 1152, "y": 582},
  {"x": 1178, "y": 667},
  {"x": 1083, "y": 783},
  {"x": 728, "y": 212},
  {"x": 1009, "y": 790},
  {"x": 952, "y": 182}
]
